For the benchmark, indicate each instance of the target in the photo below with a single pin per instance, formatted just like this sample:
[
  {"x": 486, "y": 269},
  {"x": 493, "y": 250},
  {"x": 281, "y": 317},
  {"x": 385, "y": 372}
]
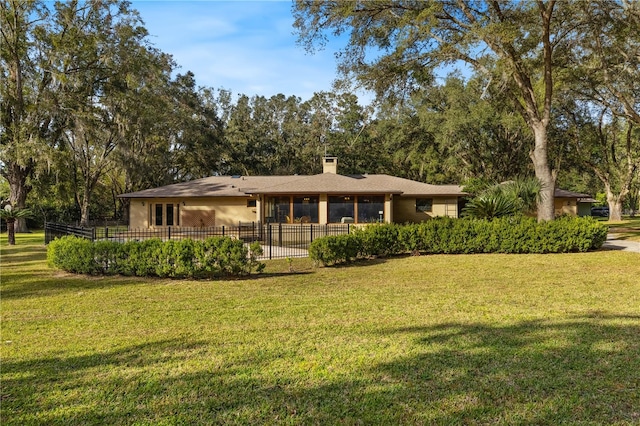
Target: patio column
[
  {"x": 323, "y": 209},
  {"x": 388, "y": 208}
]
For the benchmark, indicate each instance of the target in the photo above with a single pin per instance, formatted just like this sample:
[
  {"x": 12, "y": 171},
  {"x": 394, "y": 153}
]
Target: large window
[
  {"x": 305, "y": 209},
  {"x": 341, "y": 209},
  {"x": 159, "y": 208},
  {"x": 278, "y": 210},
  {"x": 169, "y": 214},
  {"x": 370, "y": 209},
  {"x": 424, "y": 205}
]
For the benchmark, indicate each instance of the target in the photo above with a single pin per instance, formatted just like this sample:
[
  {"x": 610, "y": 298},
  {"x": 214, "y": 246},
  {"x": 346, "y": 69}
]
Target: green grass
[
  {"x": 627, "y": 229},
  {"x": 469, "y": 339}
]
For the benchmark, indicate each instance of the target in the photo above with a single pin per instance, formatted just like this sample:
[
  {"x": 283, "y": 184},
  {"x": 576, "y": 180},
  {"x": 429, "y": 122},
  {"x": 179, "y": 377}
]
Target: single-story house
[
  {"x": 320, "y": 199},
  {"x": 323, "y": 198},
  {"x": 572, "y": 203}
]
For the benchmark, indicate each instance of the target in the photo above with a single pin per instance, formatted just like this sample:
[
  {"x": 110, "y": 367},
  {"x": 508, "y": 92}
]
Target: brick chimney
[{"x": 330, "y": 165}]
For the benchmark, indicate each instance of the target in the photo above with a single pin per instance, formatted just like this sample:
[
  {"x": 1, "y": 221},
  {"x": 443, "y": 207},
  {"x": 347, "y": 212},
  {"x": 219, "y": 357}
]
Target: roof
[
  {"x": 563, "y": 193},
  {"x": 324, "y": 183}
]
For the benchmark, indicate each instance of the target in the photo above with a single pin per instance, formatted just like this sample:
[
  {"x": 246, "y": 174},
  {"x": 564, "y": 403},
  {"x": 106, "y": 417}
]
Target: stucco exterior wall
[
  {"x": 226, "y": 211},
  {"x": 566, "y": 206},
  {"x": 229, "y": 211},
  {"x": 404, "y": 209}
]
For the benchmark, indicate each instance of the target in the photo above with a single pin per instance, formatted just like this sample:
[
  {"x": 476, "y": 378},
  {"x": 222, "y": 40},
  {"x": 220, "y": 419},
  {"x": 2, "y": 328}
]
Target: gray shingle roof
[
  {"x": 329, "y": 183},
  {"x": 563, "y": 193}
]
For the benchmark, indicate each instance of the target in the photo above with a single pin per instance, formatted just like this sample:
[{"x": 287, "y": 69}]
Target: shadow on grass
[
  {"x": 366, "y": 262},
  {"x": 581, "y": 370},
  {"x": 28, "y": 284}
]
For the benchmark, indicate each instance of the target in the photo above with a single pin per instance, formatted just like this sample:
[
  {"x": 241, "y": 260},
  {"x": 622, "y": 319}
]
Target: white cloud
[{"x": 245, "y": 47}]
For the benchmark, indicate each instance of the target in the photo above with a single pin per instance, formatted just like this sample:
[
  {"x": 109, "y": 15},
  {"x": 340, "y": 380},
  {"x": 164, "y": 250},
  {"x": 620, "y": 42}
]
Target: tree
[
  {"x": 26, "y": 122},
  {"x": 610, "y": 146},
  {"x": 448, "y": 133},
  {"x": 196, "y": 136},
  {"x": 604, "y": 86},
  {"x": 515, "y": 45},
  {"x": 10, "y": 215},
  {"x": 519, "y": 196},
  {"x": 104, "y": 67}
]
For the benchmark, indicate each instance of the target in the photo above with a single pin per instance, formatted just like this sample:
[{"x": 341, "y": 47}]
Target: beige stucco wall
[
  {"x": 566, "y": 206},
  {"x": 404, "y": 209},
  {"x": 231, "y": 210},
  {"x": 228, "y": 210}
]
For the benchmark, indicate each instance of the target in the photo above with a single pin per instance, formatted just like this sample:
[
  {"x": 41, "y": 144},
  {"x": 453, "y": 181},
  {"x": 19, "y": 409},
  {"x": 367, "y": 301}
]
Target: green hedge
[
  {"x": 457, "y": 236},
  {"x": 213, "y": 257}
]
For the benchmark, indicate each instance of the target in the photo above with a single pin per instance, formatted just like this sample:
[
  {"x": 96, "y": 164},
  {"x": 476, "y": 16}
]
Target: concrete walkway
[{"x": 613, "y": 243}]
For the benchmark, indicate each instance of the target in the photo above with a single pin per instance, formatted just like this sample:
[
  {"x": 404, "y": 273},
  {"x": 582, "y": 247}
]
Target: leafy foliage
[
  {"x": 463, "y": 236},
  {"x": 213, "y": 257},
  {"x": 519, "y": 196}
]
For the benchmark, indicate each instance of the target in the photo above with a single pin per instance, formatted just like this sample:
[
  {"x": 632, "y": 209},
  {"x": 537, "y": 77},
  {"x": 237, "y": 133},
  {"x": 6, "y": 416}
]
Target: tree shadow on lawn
[
  {"x": 580, "y": 370},
  {"x": 19, "y": 255},
  {"x": 37, "y": 285},
  {"x": 27, "y": 284}
]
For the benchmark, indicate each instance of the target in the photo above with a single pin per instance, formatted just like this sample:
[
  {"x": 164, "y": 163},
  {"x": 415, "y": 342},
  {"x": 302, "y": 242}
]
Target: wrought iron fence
[
  {"x": 56, "y": 230},
  {"x": 278, "y": 241}
]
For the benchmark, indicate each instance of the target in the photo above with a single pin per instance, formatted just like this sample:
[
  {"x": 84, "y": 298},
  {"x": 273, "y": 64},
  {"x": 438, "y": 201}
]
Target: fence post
[
  {"x": 280, "y": 234},
  {"x": 269, "y": 239},
  {"x": 311, "y": 233},
  {"x": 168, "y": 232},
  {"x": 223, "y": 230},
  {"x": 93, "y": 234},
  {"x": 106, "y": 232}
]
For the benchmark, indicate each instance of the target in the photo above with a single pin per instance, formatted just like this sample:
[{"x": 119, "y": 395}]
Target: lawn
[
  {"x": 468, "y": 339},
  {"x": 627, "y": 229}
]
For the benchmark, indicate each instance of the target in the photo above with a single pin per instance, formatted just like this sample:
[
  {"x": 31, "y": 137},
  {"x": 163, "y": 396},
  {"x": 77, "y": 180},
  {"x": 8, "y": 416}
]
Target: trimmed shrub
[
  {"x": 457, "y": 236},
  {"x": 212, "y": 257},
  {"x": 336, "y": 249}
]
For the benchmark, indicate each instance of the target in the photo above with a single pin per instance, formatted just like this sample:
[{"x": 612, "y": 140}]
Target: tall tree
[
  {"x": 196, "y": 142},
  {"x": 26, "y": 81},
  {"x": 103, "y": 63},
  {"x": 605, "y": 88},
  {"x": 446, "y": 133},
  {"x": 396, "y": 44}
]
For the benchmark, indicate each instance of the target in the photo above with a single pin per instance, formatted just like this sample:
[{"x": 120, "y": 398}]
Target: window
[
  {"x": 305, "y": 209},
  {"x": 341, "y": 207},
  {"x": 370, "y": 209},
  {"x": 169, "y": 214},
  {"x": 159, "y": 214},
  {"x": 424, "y": 204},
  {"x": 252, "y": 203},
  {"x": 278, "y": 210}
]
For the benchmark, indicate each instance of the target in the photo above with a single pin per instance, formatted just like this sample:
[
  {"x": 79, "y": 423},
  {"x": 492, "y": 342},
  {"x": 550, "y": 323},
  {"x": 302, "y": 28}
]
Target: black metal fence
[
  {"x": 278, "y": 241},
  {"x": 56, "y": 230}
]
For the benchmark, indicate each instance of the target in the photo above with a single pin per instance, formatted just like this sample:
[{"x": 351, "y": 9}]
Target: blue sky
[{"x": 244, "y": 46}]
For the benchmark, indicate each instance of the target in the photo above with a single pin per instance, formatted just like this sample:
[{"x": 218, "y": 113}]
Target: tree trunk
[
  {"x": 546, "y": 203},
  {"x": 11, "y": 235},
  {"x": 84, "y": 209},
  {"x": 18, "y": 191},
  {"x": 615, "y": 205}
]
